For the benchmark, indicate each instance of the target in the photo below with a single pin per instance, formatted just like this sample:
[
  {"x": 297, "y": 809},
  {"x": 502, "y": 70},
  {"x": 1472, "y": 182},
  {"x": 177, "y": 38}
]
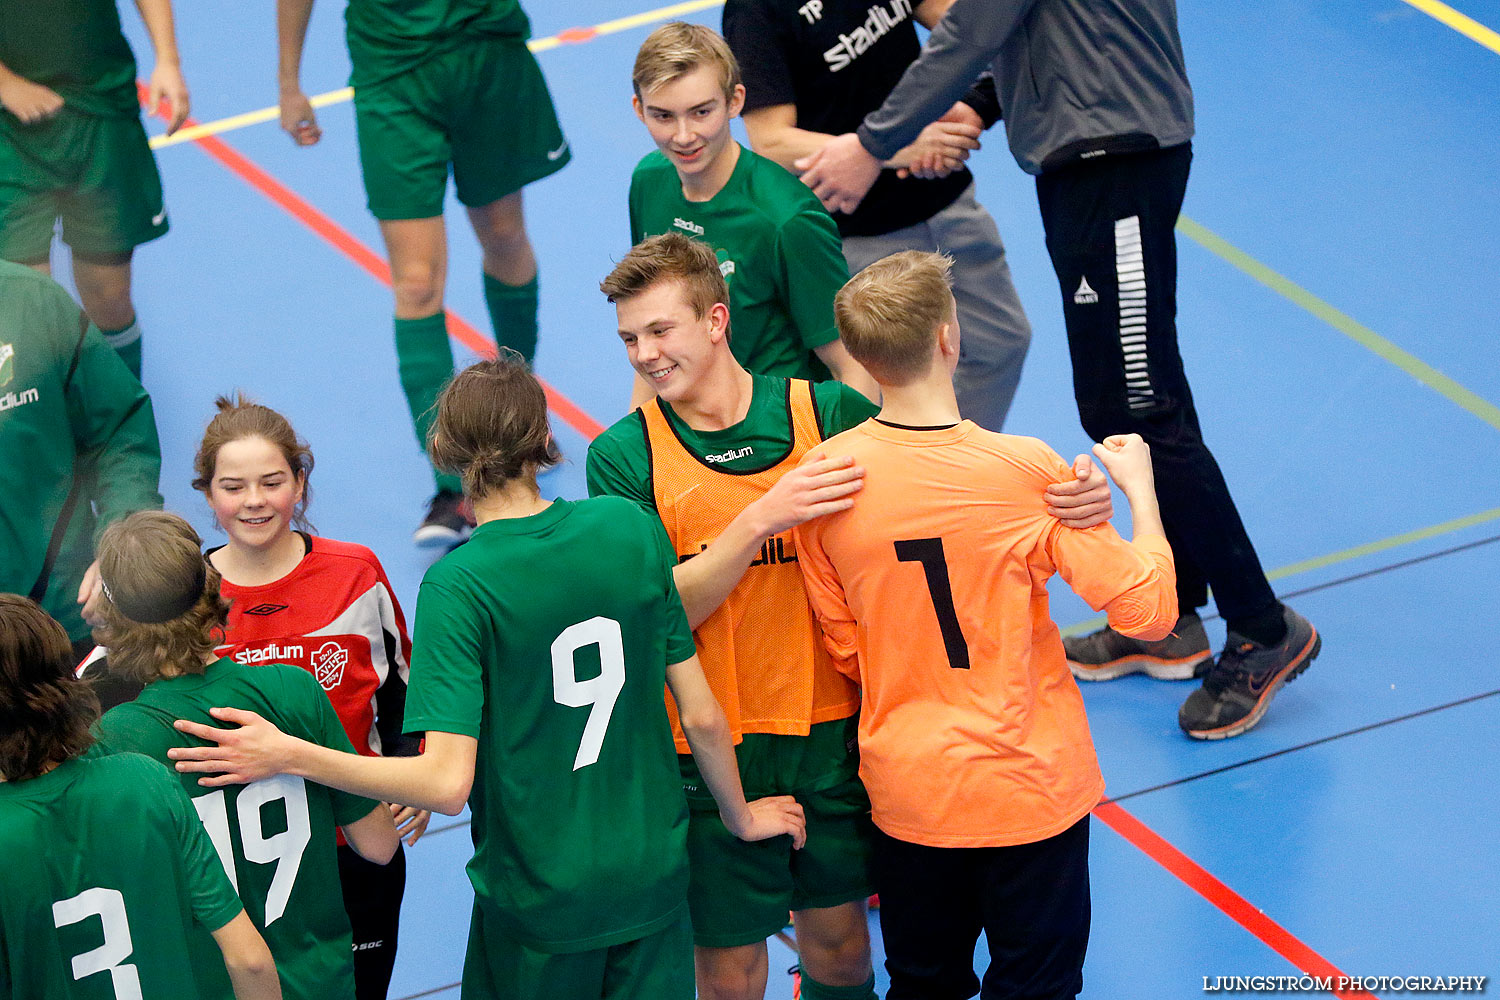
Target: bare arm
[
  {"x": 774, "y": 134},
  {"x": 373, "y": 836},
  {"x": 1128, "y": 459},
  {"x": 808, "y": 491},
  {"x": 167, "y": 84},
  {"x": 252, "y": 971},
  {"x": 707, "y": 733},
  {"x": 848, "y": 371},
  {"x": 29, "y": 102},
  {"x": 297, "y": 116},
  {"x": 1134, "y": 582},
  {"x": 439, "y": 779}
]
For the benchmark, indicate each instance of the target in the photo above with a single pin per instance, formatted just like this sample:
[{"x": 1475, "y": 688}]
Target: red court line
[
  {"x": 1235, "y": 906},
  {"x": 342, "y": 240}
]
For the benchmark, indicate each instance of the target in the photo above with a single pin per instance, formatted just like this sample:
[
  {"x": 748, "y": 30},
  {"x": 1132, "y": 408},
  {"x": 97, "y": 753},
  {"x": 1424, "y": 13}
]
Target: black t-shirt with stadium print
[{"x": 836, "y": 60}]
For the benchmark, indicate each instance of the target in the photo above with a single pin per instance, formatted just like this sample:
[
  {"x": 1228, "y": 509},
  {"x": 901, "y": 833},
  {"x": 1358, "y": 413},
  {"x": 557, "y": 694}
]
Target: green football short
[
  {"x": 96, "y": 173},
  {"x": 739, "y": 893},
  {"x": 482, "y": 108},
  {"x": 656, "y": 967}
]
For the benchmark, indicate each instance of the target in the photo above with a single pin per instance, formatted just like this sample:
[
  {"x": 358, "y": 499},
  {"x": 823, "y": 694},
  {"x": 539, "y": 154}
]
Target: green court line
[
  {"x": 1343, "y": 555},
  {"x": 1342, "y": 322}
]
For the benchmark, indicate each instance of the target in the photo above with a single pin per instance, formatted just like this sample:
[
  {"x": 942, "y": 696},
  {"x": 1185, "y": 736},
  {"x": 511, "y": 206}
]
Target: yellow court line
[
  {"x": 344, "y": 94},
  {"x": 1342, "y": 322},
  {"x": 1343, "y": 555},
  {"x": 633, "y": 21},
  {"x": 270, "y": 114},
  {"x": 1461, "y": 23}
]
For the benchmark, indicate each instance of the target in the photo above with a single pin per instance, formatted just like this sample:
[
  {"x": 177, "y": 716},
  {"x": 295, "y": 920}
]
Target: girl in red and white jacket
[{"x": 325, "y": 606}]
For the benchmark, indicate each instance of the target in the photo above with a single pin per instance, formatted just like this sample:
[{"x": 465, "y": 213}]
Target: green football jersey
[
  {"x": 619, "y": 461},
  {"x": 389, "y": 37},
  {"x": 70, "y": 412},
  {"x": 75, "y": 47},
  {"x": 108, "y": 875},
  {"x": 547, "y": 639},
  {"x": 778, "y": 249},
  {"x": 275, "y": 837}
]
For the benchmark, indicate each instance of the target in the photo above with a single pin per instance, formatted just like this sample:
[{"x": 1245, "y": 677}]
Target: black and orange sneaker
[
  {"x": 1238, "y": 689},
  {"x": 1106, "y": 654}
]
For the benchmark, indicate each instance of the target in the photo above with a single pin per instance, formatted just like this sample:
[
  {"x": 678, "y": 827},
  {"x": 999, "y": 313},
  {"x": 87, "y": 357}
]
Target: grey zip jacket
[{"x": 1076, "y": 78}]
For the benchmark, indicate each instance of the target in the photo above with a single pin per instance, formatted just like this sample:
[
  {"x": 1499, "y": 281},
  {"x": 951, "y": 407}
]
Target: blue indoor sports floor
[{"x": 1338, "y": 274}]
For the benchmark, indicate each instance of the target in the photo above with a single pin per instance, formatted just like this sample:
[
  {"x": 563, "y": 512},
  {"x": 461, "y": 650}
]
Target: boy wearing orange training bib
[
  {"x": 931, "y": 592},
  {"x": 715, "y": 457}
]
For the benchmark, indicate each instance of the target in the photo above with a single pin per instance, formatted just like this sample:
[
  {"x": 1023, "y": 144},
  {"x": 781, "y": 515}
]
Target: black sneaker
[
  {"x": 1239, "y": 688},
  {"x": 446, "y": 523},
  {"x": 1106, "y": 654}
]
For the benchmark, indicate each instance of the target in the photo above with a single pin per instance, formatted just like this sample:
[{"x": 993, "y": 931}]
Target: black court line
[
  {"x": 1377, "y": 571},
  {"x": 1352, "y": 732},
  {"x": 1304, "y": 746}
]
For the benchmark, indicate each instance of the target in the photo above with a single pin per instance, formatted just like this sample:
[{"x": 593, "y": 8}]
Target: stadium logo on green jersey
[{"x": 10, "y": 400}]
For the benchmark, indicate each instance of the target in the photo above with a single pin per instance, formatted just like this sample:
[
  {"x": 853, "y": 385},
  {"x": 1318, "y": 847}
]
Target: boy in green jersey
[
  {"x": 541, "y": 650},
  {"x": 440, "y": 85},
  {"x": 719, "y": 424},
  {"x": 275, "y": 838},
  {"x": 72, "y": 147},
  {"x": 80, "y": 447},
  {"x": 778, "y": 249},
  {"x": 118, "y": 873}
]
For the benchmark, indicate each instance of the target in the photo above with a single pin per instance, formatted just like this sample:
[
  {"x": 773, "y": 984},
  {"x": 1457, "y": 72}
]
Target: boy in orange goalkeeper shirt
[{"x": 931, "y": 592}]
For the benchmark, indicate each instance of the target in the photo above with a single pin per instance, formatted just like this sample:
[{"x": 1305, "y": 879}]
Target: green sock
[
  {"x": 512, "y": 314},
  {"x": 814, "y": 990},
  {"x": 425, "y": 360},
  {"x": 127, "y": 344}
]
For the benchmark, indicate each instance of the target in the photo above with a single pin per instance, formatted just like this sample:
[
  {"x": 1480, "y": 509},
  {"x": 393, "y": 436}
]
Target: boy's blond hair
[
  {"x": 888, "y": 314},
  {"x": 669, "y": 257},
  {"x": 675, "y": 50}
]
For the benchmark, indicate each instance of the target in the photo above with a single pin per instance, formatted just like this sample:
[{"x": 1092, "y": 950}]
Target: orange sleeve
[
  {"x": 1135, "y": 583},
  {"x": 825, "y": 593}
]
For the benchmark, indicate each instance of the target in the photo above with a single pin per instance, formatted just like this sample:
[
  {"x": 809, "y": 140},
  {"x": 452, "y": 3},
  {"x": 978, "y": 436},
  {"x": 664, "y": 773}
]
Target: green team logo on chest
[
  {"x": 7, "y": 363},
  {"x": 726, "y": 266}
]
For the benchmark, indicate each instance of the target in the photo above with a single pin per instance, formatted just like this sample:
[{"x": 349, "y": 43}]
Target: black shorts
[{"x": 1031, "y": 901}]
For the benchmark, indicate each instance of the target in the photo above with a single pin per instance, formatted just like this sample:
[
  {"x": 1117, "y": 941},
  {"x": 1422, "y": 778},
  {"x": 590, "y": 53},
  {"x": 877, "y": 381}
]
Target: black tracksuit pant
[{"x": 1110, "y": 231}]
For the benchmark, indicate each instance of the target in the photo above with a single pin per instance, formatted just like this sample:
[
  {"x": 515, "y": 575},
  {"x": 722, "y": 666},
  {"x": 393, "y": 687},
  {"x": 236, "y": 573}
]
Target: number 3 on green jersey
[
  {"x": 109, "y": 906},
  {"x": 601, "y": 692}
]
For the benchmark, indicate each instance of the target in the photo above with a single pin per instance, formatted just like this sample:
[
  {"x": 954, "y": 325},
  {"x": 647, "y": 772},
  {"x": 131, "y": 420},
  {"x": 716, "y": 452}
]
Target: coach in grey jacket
[{"x": 1097, "y": 106}]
